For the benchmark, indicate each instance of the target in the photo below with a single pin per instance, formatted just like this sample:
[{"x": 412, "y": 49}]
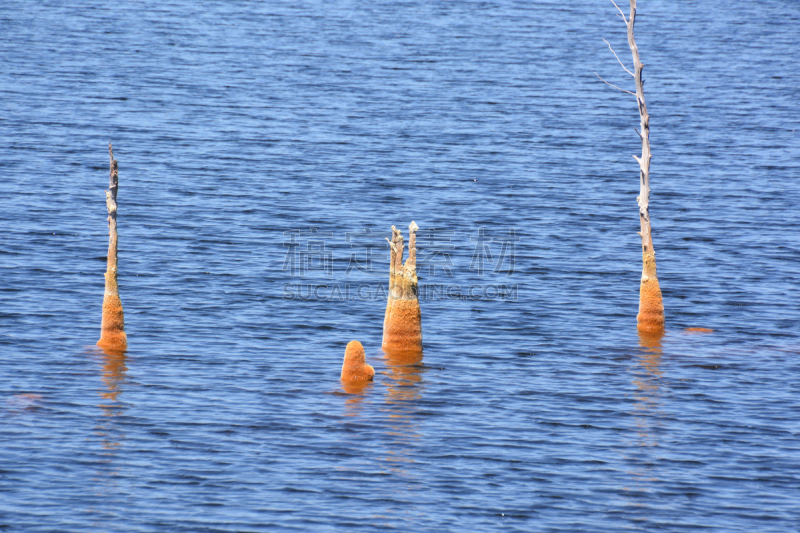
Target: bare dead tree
[
  {"x": 651, "y": 305},
  {"x": 112, "y": 329}
]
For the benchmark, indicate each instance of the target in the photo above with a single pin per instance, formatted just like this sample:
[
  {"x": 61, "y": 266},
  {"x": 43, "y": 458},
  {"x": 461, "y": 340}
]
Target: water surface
[{"x": 243, "y": 129}]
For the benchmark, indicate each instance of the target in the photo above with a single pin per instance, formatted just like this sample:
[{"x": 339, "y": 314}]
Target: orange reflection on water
[
  {"x": 651, "y": 352},
  {"x": 113, "y": 372},
  {"x": 647, "y": 407},
  {"x": 356, "y": 391},
  {"x": 113, "y": 376},
  {"x": 648, "y": 393},
  {"x": 404, "y": 372},
  {"x": 404, "y": 387}
]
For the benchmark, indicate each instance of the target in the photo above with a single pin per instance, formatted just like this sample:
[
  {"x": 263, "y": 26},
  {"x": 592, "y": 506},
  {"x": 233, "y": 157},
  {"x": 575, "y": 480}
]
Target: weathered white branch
[
  {"x": 644, "y": 124},
  {"x": 614, "y": 86},
  {"x": 411, "y": 262},
  {"x": 620, "y": 12},
  {"x": 111, "y": 205},
  {"x": 618, "y": 59}
]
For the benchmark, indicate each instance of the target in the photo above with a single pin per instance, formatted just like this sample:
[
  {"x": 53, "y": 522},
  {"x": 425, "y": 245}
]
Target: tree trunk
[
  {"x": 112, "y": 329},
  {"x": 651, "y": 305},
  {"x": 402, "y": 325}
]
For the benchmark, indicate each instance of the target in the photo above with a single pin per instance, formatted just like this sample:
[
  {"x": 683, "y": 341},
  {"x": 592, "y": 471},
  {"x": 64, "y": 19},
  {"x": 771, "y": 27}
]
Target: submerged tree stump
[
  {"x": 402, "y": 324},
  {"x": 651, "y": 303},
  {"x": 355, "y": 367},
  {"x": 112, "y": 329}
]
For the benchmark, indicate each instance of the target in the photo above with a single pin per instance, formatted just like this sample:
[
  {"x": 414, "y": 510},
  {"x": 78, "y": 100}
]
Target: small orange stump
[
  {"x": 355, "y": 367},
  {"x": 651, "y": 304},
  {"x": 402, "y": 324}
]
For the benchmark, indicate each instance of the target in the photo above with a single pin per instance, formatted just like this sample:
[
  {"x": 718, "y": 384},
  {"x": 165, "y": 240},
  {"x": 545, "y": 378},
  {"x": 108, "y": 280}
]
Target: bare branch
[
  {"x": 614, "y": 86},
  {"x": 618, "y": 59},
  {"x": 620, "y": 12}
]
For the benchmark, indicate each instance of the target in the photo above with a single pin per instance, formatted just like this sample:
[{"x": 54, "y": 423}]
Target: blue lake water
[{"x": 266, "y": 148}]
